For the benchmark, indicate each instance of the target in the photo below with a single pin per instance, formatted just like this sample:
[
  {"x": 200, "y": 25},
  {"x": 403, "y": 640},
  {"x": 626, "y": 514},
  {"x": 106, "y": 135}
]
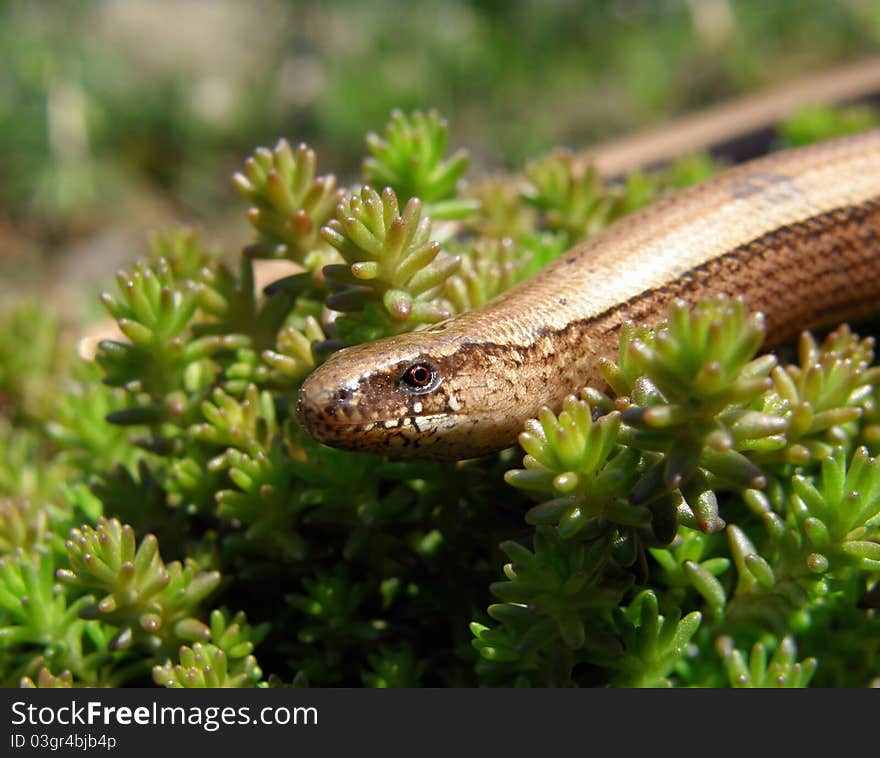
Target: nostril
[{"x": 342, "y": 395}]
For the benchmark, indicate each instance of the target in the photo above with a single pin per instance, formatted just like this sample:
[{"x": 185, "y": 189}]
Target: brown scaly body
[{"x": 797, "y": 234}]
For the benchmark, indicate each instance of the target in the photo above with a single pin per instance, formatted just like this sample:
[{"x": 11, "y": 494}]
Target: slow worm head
[{"x": 796, "y": 233}]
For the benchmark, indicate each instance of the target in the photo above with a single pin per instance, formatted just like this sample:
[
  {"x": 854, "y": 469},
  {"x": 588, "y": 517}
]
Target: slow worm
[{"x": 796, "y": 233}]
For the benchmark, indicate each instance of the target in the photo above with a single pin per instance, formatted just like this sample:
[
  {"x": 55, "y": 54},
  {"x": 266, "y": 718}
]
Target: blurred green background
[{"x": 121, "y": 116}]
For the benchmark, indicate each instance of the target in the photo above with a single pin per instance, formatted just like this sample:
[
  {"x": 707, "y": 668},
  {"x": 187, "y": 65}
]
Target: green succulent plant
[{"x": 709, "y": 517}]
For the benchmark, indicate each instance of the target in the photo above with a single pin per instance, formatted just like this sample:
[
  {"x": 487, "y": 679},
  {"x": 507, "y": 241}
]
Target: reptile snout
[{"x": 323, "y": 410}]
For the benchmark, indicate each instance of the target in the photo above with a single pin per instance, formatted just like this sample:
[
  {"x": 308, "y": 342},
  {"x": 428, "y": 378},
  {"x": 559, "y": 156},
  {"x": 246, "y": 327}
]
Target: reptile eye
[{"x": 420, "y": 376}]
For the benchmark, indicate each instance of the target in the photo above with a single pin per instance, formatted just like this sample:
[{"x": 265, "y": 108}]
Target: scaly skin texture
[{"x": 796, "y": 234}]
